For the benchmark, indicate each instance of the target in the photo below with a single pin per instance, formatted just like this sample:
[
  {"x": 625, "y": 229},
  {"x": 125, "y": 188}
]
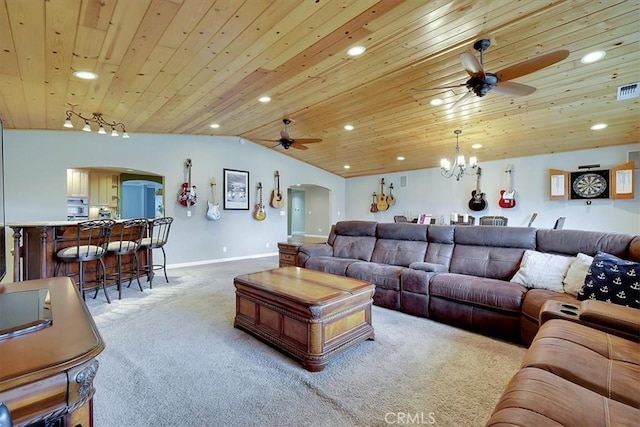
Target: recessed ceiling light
[
  {"x": 476, "y": 146},
  {"x": 593, "y": 57},
  {"x": 400, "y": 157},
  {"x": 348, "y": 127},
  {"x": 264, "y": 99},
  {"x": 599, "y": 126},
  {"x": 85, "y": 75},
  {"x": 436, "y": 102},
  {"x": 214, "y": 126},
  {"x": 356, "y": 50},
  {"x": 347, "y": 167}
]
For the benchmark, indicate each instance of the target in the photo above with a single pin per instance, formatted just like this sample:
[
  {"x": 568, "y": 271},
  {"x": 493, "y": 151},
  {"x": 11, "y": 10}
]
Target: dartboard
[{"x": 589, "y": 185}]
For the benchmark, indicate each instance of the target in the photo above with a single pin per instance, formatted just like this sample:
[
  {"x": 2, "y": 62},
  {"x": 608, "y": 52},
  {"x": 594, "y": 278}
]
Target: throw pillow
[
  {"x": 542, "y": 271},
  {"x": 574, "y": 280},
  {"x": 612, "y": 279}
]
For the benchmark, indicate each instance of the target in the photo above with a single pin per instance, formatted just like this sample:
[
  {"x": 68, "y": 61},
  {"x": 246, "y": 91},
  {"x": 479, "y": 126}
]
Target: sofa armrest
[
  {"x": 429, "y": 267},
  {"x": 316, "y": 249},
  {"x": 611, "y": 316}
]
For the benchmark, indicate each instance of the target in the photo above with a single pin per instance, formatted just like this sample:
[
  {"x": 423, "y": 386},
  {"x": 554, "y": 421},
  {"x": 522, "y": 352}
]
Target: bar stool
[
  {"x": 89, "y": 244},
  {"x": 496, "y": 220},
  {"x": 157, "y": 236},
  {"x": 127, "y": 241}
]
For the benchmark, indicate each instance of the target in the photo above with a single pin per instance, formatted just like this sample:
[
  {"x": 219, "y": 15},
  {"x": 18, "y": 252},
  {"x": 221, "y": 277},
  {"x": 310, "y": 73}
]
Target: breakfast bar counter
[{"x": 36, "y": 243}]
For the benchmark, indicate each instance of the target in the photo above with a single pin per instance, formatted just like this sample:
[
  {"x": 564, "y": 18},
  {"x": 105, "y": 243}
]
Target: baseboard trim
[{"x": 218, "y": 260}]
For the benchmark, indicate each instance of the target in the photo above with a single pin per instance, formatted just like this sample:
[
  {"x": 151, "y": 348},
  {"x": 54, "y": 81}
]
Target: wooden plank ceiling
[{"x": 177, "y": 66}]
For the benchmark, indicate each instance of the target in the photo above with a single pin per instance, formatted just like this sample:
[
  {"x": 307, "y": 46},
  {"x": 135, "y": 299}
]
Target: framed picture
[{"x": 236, "y": 190}]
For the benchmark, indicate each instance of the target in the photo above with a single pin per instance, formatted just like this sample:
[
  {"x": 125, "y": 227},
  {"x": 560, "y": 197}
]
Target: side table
[{"x": 288, "y": 252}]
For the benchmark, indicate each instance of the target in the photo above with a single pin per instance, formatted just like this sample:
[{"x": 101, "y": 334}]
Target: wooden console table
[
  {"x": 46, "y": 376},
  {"x": 288, "y": 251}
]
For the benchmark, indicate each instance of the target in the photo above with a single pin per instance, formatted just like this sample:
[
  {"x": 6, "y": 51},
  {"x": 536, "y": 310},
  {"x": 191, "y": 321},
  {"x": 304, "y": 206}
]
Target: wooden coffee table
[{"x": 311, "y": 316}]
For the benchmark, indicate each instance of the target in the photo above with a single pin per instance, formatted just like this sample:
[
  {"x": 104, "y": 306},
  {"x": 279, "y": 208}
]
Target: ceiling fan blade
[
  {"x": 531, "y": 65},
  {"x": 461, "y": 100},
  {"x": 513, "y": 88},
  {"x": 307, "y": 140},
  {"x": 297, "y": 146},
  {"x": 472, "y": 65},
  {"x": 438, "y": 88}
]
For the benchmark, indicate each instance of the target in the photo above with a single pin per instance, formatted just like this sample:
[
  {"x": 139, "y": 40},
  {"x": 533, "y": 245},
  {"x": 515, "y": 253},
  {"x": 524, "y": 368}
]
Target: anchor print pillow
[{"x": 612, "y": 279}]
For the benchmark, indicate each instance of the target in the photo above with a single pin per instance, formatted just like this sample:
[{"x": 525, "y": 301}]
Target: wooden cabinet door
[
  {"x": 77, "y": 183},
  {"x": 100, "y": 189}
]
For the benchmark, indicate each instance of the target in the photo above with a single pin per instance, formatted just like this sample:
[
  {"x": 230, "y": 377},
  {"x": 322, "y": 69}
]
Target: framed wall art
[{"x": 236, "y": 194}]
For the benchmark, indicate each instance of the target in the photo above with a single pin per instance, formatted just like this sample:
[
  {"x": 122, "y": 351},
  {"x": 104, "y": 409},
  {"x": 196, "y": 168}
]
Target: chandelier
[
  {"x": 99, "y": 120},
  {"x": 459, "y": 167}
]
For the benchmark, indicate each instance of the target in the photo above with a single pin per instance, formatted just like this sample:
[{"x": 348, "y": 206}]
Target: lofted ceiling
[{"x": 178, "y": 66}]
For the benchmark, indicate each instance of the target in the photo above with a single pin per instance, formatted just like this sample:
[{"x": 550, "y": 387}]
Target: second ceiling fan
[{"x": 482, "y": 82}]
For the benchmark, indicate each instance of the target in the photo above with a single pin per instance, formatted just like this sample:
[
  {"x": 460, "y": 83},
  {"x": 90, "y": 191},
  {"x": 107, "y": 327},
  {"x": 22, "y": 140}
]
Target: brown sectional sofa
[
  {"x": 456, "y": 274},
  {"x": 584, "y": 372}
]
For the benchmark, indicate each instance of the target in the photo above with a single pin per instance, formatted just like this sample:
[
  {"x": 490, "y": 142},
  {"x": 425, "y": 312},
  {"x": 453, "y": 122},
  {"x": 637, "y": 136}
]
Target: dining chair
[{"x": 496, "y": 220}]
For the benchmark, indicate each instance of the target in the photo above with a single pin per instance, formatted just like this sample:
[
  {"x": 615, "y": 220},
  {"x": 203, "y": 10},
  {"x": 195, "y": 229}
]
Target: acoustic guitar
[
  {"x": 374, "y": 205},
  {"x": 277, "y": 199},
  {"x": 390, "y": 199},
  {"x": 213, "y": 208},
  {"x": 381, "y": 203},
  {"x": 187, "y": 196},
  {"x": 260, "y": 214},
  {"x": 508, "y": 197},
  {"x": 477, "y": 202}
]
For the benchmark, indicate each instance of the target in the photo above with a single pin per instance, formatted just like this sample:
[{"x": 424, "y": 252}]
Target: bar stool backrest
[
  {"x": 496, "y": 220},
  {"x": 130, "y": 236},
  {"x": 158, "y": 232},
  {"x": 91, "y": 240}
]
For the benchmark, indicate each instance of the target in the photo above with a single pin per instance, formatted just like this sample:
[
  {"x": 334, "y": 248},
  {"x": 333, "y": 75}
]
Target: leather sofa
[
  {"x": 580, "y": 372},
  {"x": 456, "y": 274}
]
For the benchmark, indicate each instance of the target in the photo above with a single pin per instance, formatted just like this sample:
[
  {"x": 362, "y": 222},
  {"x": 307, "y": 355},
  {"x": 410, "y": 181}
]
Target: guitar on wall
[
  {"x": 477, "y": 202},
  {"x": 260, "y": 214},
  {"x": 508, "y": 197},
  {"x": 213, "y": 208},
  {"x": 382, "y": 204},
  {"x": 277, "y": 199},
  {"x": 390, "y": 199},
  {"x": 374, "y": 205},
  {"x": 187, "y": 196}
]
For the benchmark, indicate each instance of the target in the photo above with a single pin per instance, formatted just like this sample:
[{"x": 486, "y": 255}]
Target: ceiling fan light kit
[{"x": 459, "y": 167}]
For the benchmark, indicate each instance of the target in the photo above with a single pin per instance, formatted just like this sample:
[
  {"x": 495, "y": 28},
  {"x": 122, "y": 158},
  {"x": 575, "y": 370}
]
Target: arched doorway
[{"x": 309, "y": 210}]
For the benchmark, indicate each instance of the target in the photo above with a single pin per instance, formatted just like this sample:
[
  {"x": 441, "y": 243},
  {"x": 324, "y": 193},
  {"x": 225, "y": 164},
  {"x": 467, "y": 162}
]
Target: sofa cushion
[
  {"x": 329, "y": 264},
  {"x": 484, "y": 261},
  {"x": 571, "y": 242},
  {"x": 382, "y": 275},
  {"x": 402, "y": 231},
  {"x": 574, "y": 279},
  {"x": 398, "y": 252},
  {"x": 601, "y": 362},
  {"x": 496, "y": 294},
  {"x": 612, "y": 279},
  {"x": 506, "y": 237},
  {"x": 535, "y": 397},
  {"x": 355, "y": 247},
  {"x": 542, "y": 271}
]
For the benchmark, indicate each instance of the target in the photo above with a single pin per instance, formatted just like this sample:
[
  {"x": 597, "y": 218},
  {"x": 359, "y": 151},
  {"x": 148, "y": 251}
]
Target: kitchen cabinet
[
  {"x": 99, "y": 189},
  {"x": 77, "y": 183},
  {"x": 115, "y": 191}
]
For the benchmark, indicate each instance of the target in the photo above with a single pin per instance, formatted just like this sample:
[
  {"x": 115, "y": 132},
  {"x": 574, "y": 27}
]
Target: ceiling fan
[
  {"x": 287, "y": 142},
  {"x": 482, "y": 82}
]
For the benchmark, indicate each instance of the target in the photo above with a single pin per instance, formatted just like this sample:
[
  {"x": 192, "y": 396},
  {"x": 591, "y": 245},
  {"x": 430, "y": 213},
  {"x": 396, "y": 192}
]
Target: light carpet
[{"x": 173, "y": 358}]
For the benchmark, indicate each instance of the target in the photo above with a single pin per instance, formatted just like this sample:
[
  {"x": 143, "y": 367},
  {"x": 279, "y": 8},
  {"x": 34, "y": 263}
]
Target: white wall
[
  {"x": 428, "y": 192},
  {"x": 35, "y": 183}
]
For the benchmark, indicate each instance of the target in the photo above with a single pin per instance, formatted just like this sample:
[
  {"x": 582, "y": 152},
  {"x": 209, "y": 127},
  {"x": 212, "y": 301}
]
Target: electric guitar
[
  {"x": 477, "y": 202},
  {"x": 187, "y": 196},
  {"x": 213, "y": 208},
  {"x": 277, "y": 199},
  {"x": 390, "y": 199},
  {"x": 508, "y": 198},
  {"x": 374, "y": 205},
  {"x": 260, "y": 214},
  {"x": 382, "y": 204}
]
